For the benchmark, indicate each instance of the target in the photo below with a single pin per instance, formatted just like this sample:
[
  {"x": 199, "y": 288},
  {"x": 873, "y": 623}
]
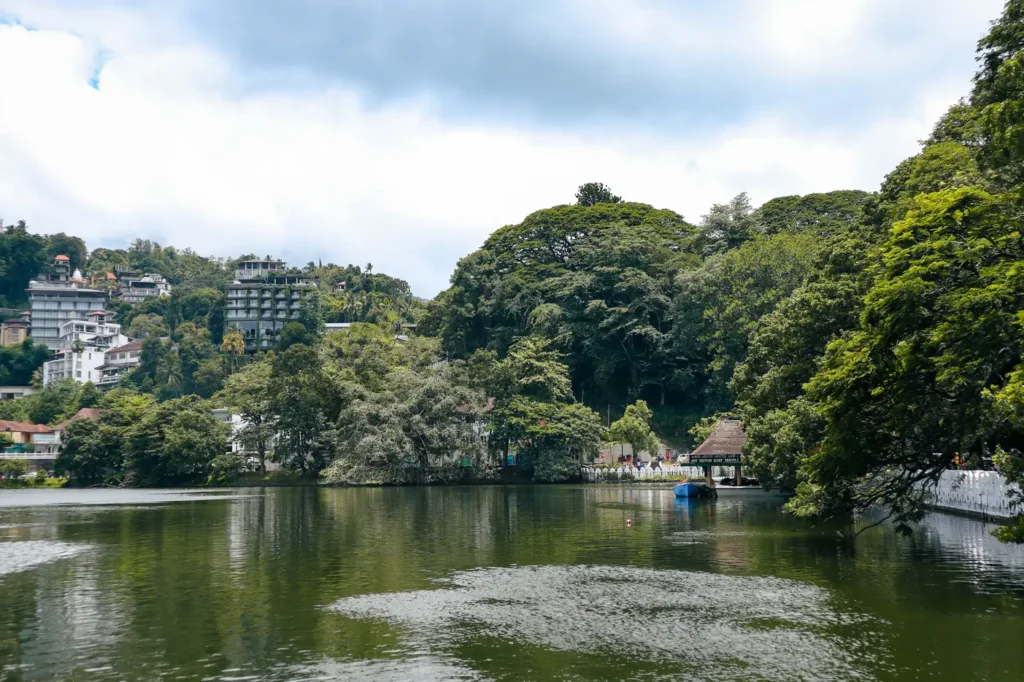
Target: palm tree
[
  {"x": 169, "y": 371},
  {"x": 234, "y": 345}
]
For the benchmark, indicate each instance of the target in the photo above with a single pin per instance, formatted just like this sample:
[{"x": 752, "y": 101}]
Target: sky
[{"x": 403, "y": 132}]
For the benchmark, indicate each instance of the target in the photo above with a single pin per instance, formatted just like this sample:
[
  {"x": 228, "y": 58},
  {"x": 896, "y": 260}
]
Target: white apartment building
[
  {"x": 82, "y": 366},
  {"x": 118, "y": 361},
  {"x": 93, "y": 331},
  {"x": 83, "y": 346}
]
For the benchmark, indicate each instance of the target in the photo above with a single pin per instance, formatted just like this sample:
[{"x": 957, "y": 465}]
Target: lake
[{"x": 490, "y": 583}]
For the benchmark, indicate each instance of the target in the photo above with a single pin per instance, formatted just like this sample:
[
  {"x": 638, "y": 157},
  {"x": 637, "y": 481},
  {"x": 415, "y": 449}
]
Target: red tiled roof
[
  {"x": 131, "y": 345},
  {"x": 111, "y": 275},
  {"x": 94, "y": 313},
  {"x": 727, "y": 438},
  {"x": 62, "y": 257},
  {"x": 84, "y": 413},
  {"x": 22, "y": 427}
]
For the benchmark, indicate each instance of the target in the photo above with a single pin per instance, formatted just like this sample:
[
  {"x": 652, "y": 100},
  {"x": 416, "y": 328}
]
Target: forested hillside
[{"x": 867, "y": 340}]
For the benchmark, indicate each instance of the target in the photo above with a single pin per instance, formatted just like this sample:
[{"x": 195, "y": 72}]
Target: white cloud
[{"x": 167, "y": 149}]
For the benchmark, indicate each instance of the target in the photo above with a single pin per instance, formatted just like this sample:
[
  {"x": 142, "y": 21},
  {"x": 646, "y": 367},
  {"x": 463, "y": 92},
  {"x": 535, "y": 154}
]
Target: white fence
[
  {"x": 976, "y": 492},
  {"x": 614, "y": 474}
]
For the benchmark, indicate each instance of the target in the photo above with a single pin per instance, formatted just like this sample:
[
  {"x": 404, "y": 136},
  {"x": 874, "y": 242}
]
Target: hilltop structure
[{"x": 262, "y": 299}]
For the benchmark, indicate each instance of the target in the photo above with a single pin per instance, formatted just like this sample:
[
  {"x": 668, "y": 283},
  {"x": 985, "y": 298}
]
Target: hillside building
[
  {"x": 83, "y": 346},
  {"x": 55, "y": 299},
  {"x": 117, "y": 362},
  {"x": 13, "y": 332},
  {"x": 263, "y": 299},
  {"x": 134, "y": 288}
]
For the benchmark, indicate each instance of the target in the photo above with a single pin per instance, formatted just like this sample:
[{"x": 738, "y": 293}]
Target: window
[{"x": 78, "y": 374}]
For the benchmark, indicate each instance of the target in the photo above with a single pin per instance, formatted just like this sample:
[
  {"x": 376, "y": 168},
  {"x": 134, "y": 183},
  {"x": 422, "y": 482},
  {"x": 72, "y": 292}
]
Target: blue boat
[{"x": 688, "y": 490}]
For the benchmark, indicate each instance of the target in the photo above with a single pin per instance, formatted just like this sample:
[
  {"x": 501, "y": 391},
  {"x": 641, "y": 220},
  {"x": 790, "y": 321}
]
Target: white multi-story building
[
  {"x": 81, "y": 365},
  {"x": 55, "y": 299},
  {"x": 83, "y": 347},
  {"x": 92, "y": 331},
  {"x": 118, "y": 361}
]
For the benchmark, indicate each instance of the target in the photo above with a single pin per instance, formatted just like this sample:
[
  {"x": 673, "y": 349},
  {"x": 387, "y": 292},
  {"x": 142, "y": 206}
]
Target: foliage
[
  {"x": 13, "y": 468},
  {"x": 22, "y": 256},
  {"x": 424, "y": 427},
  {"x": 592, "y": 193},
  {"x": 225, "y": 469},
  {"x": 19, "y": 362},
  {"x": 907, "y": 392},
  {"x": 294, "y": 333},
  {"x": 146, "y": 325},
  {"x": 50, "y": 404},
  {"x": 720, "y": 303},
  {"x": 249, "y": 394},
  {"x": 535, "y": 414},
  {"x": 173, "y": 443},
  {"x": 635, "y": 428},
  {"x": 90, "y": 453},
  {"x": 726, "y": 226},
  {"x": 825, "y": 214}
]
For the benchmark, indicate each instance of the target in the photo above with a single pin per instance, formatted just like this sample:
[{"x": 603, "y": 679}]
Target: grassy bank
[{"x": 33, "y": 482}]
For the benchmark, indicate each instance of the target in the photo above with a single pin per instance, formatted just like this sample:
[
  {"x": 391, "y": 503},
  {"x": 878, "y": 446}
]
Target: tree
[
  {"x": 293, "y": 333},
  {"x": 593, "y": 193},
  {"x": 234, "y": 345},
  {"x": 18, "y": 363},
  {"x": 13, "y": 468},
  {"x": 299, "y": 404},
  {"x": 208, "y": 377},
  {"x": 635, "y": 428},
  {"x": 825, "y": 214},
  {"x": 425, "y": 427},
  {"x": 719, "y": 304},
  {"x": 147, "y": 325},
  {"x": 939, "y": 343},
  {"x": 249, "y": 393},
  {"x": 169, "y": 374},
  {"x": 23, "y": 256},
  {"x": 66, "y": 245},
  {"x": 726, "y": 226},
  {"x": 90, "y": 453},
  {"x": 535, "y": 414},
  {"x": 173, "y": 443}
]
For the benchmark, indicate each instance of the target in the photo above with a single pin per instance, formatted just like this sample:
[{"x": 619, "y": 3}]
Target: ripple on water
[
  {"x": 19, "y": 556},
  {"x": 711, "y": 626},
  {"x": 420, "y": 668}
]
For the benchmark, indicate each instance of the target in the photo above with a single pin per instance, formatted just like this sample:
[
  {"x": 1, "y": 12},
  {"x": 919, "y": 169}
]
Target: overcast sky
[{"x": 403, "y": 132}]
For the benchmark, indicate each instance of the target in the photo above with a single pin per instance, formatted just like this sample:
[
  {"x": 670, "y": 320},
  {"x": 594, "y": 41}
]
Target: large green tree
[{"x": 940, "y": 332}]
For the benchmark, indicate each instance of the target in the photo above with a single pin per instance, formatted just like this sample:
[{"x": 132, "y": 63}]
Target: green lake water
[{"x": 490, "y": 583}]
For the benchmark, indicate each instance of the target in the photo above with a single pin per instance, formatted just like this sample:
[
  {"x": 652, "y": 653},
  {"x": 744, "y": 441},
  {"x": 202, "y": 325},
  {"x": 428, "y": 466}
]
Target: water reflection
[{"x": 501, "y": 583}]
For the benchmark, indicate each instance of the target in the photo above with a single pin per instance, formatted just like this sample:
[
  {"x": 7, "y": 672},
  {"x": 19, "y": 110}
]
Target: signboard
[{"x": 715, "y": 460}]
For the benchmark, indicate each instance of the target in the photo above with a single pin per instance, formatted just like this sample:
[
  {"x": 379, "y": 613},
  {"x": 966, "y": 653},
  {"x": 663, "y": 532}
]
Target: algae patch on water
[
  {"x": 20, "y": 556},
  {"x": 712, "y": 626}
]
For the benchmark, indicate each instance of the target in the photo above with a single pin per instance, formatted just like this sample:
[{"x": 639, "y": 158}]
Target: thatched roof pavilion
[
  {"x": 724, "y": 447},
  {"x": 726, "y": 440}
]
